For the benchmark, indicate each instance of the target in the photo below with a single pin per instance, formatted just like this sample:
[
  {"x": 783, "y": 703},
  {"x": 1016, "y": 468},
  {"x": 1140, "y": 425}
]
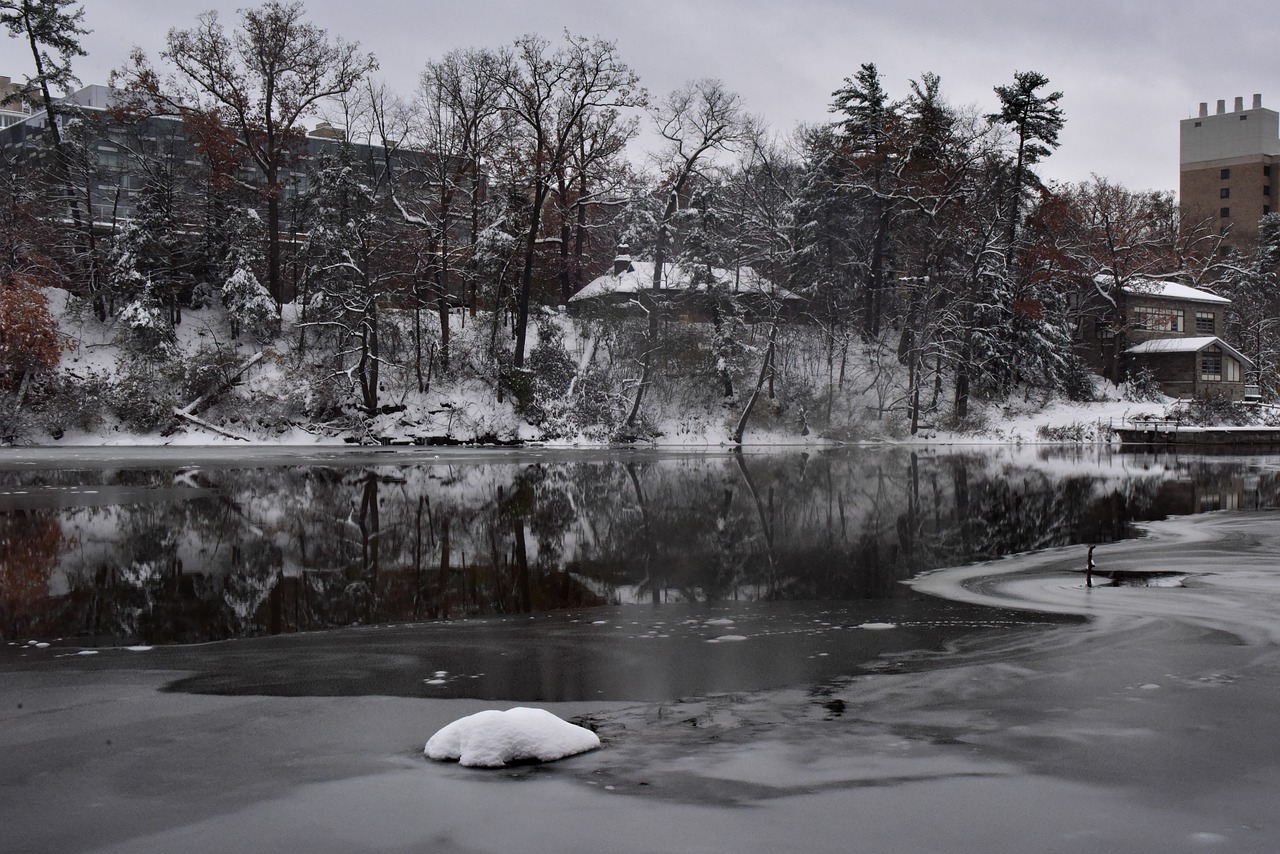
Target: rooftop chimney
[
  {"x": 1239, "y": 104},
  {"x": 622, "y": 263},
  {"x": 1222, "y": 106},
  {"x": 1257, "y": 101},
  {"x": 1204, "y": 109}
]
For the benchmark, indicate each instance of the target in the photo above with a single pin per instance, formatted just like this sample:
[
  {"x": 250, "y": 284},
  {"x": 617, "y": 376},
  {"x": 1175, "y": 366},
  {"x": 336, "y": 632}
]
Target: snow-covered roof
[
  {"x": 676, "y": 277},
  {"x": 1172, "y": 290},
  {"x": 1187, "y": 345}
]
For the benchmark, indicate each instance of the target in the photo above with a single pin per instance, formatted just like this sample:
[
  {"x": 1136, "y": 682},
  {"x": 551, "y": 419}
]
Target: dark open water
[{"x": 583, "y": 574}]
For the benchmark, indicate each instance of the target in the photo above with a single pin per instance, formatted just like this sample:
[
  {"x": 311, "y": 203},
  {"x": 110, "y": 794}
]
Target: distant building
[
  {"x": 1172, "y": 330},
  {"x": 118, "y": 151},
  {"x": 12, "y": 110},
  {"x": 1229, "y": 163},
  {"x": 686, "y": 292}
]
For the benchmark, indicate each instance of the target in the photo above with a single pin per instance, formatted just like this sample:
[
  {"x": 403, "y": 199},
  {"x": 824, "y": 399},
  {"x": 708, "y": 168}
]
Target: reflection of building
[
  {"x": 1172, "y": 331},
  {"x": 1227, "y": 164}
]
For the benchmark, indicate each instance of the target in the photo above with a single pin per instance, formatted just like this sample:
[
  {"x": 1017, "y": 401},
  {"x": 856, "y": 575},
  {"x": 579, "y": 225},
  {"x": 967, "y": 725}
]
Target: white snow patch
[
  {"x": 491, "y": 739},
  {"x": 878, "y": 626},
  {"x": 722, "y": 621},
  {"x": 139, "y": 648},
  {"x": 727, "y": 639}
]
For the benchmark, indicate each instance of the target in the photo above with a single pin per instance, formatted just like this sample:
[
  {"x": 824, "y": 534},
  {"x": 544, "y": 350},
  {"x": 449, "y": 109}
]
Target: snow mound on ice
[{"x": 491, "y": 739}]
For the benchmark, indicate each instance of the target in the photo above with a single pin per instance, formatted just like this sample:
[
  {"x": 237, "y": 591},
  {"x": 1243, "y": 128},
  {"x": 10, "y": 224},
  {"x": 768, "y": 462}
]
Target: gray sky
[{"x": 1129, "y": 69}]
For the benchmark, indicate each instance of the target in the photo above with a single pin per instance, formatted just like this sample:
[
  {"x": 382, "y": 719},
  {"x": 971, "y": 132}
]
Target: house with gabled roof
[
  {"x": 1171, "y": 330},
  {"x": 686, "y": 292}
]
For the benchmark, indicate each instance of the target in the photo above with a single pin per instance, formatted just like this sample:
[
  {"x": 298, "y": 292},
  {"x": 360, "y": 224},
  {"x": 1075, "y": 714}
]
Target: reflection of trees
[{"x": 289, "y": 549}]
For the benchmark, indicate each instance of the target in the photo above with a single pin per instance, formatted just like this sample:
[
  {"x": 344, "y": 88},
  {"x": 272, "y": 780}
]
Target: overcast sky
[{"x": 1129, "y": 69}]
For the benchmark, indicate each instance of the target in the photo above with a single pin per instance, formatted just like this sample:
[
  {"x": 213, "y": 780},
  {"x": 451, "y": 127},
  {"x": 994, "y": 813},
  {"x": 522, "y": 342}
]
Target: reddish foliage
[
  {"x": 29, "y": 549},
  {"x": 29, "y": 339}
]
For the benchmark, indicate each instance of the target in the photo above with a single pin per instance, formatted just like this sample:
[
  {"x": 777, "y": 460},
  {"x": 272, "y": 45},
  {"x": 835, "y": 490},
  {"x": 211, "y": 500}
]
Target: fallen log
[{"x": 200, "y": 401}]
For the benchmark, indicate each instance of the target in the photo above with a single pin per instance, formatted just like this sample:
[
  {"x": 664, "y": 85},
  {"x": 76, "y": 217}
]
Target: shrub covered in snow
[
  {"x": 491, "y": 739},
  {"x": 143, "y": 398},
  {"x": 1141, "y": 387},
  {"x": 68, "y": 401},
  {"x": 1212, "y": 410}
]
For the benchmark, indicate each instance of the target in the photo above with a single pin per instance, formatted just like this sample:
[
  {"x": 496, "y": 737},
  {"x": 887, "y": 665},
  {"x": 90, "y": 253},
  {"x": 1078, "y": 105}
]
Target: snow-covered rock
[{"x": 491, "y": 739}]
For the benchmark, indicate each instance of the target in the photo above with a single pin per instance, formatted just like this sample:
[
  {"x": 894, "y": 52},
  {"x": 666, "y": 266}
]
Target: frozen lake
[{"x": 733, "y": 629}]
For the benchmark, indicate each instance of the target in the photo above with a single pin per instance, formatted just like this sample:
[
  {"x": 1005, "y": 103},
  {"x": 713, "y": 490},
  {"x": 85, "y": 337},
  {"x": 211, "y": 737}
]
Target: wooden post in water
[{"x": 1088, "y": 568}]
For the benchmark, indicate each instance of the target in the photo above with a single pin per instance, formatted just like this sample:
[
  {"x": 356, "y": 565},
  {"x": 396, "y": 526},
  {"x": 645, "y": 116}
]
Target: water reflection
[{"x": 195, "y": 552}]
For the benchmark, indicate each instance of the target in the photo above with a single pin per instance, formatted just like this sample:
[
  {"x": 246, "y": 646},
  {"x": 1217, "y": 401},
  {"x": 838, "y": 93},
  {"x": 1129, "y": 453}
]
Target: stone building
[{"x": 1171, "y": 330}]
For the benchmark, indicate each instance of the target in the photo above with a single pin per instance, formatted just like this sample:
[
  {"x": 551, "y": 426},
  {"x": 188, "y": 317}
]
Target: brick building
[{"x": 1229, "y": 163}]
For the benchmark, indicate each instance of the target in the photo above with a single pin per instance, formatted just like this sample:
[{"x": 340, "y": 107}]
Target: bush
[
  {"x": 16, "y": 424},
  {"x": 1078, "y": 382},
  {"x": 143, "y": 399},
  {"x": 1140, "y": 386},
  {"x": 1213, "y": 409},
  {"x": 66, "y": 401},
  {"x": 1075, "y": 432}
]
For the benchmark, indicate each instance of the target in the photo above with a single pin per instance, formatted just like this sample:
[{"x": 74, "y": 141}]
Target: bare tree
[
  {"x": 245, "y": 93},
  {"x": 454, "y": 123},
  {"x": 552, "y": 95},
  {"x": 698, "y": 120}
]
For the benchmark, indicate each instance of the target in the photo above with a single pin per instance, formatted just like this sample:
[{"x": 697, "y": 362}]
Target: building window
[
  {"x": 1154, "y": 319},
  {"x": 1266, "y": 209},
  {"x": 1199, "y": 123},
  {"x": 1206, "y": 322},
  {"x": 1226, "y": 173},
  {"x": 1211, "y": 365},
  {"x": 1224, "y": 193},
  {"x": 1224, "y": 213},
  {"x": 1266, "y": 171},
  {"x": 1266, "y": 189}
]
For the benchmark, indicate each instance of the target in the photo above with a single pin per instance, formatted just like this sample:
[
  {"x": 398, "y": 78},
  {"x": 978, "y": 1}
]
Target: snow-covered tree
[
  {"x": 245, "y": 93},
  {"x": 355, "y": 261}
]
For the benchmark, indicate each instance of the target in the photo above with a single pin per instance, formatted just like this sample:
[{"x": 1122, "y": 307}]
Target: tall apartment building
[
  {"x": 117, "y": 152},
  {"x": 1229, "y": 163}
]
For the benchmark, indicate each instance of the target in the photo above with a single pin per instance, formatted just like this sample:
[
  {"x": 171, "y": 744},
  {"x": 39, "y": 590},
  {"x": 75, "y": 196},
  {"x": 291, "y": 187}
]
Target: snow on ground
[
  {"x": 491, "y": 739},
  {"x": 469, "y": 410}
]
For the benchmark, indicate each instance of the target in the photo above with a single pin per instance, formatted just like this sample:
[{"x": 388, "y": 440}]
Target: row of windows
[
  {"x": 1155, "y": 319},
  {"x": 1225, "y": 192},
  {"x": 1225, "y": 213},
  {"x": 1226, "y": 173},
  {"x": 1158, "y": 319}
]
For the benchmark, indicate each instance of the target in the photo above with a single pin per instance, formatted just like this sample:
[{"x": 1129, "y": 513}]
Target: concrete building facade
[{"x": 1229, "y": 168}]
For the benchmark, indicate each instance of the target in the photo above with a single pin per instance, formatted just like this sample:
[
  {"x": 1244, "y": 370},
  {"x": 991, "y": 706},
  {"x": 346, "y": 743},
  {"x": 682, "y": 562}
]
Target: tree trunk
[
  {"x": 766, "y": 369},
  {"x": 526, "y": 275}
]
